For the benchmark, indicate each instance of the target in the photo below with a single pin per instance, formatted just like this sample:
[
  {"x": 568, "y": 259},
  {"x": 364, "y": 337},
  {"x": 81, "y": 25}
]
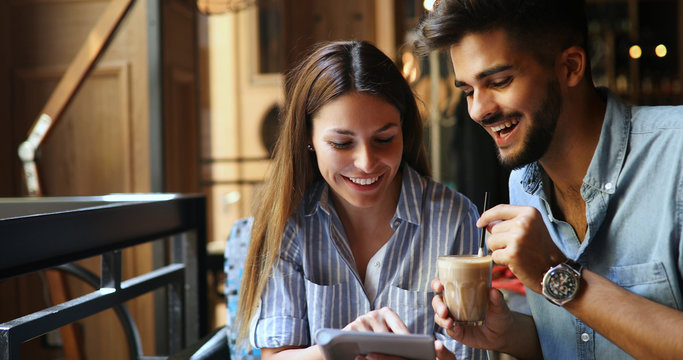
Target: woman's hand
[
  {"x": 487, "y": 336},
  {"x": 442, "y": 353},
  {"x": 382, "y": 320}
]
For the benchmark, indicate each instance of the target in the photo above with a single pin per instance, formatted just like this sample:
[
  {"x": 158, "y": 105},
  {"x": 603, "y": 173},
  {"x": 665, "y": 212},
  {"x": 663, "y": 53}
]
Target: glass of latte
[{"x": 467, "y": 281}]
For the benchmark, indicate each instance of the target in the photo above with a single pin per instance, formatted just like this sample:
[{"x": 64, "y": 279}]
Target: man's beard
[{"x": 540, "y": 132}]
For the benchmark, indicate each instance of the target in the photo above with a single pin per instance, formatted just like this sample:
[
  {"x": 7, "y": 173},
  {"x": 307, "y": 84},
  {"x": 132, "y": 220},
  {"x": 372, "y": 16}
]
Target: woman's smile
[{"x": 358, "y": 144}]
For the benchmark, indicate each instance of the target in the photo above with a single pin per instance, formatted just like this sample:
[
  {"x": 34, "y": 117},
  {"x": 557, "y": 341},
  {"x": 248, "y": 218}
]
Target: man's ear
[{"x": 572, "y": 65}]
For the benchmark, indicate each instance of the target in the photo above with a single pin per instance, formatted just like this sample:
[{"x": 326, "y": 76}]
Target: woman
[{"x": 347, "y": 231}]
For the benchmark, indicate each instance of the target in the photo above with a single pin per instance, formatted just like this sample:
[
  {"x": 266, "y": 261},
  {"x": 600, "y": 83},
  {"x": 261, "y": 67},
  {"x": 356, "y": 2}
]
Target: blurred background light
[
  {"x": 660, "y": 50},
  {"x": 635, "y": 52},
  {"x": 410, "y": 66},
  {"x": 429, "y": 4}
]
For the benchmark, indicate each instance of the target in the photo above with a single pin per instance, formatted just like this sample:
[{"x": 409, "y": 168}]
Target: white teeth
[
  {"x": 364, "y": 181},
  {"x": 505, "y": 125}
]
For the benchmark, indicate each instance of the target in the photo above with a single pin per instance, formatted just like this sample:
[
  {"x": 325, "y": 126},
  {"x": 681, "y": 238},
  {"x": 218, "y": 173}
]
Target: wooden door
[{"x": 101, "y": 143}]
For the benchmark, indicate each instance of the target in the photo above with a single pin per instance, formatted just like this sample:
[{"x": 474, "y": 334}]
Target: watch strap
[{"x": 577, "y": 267}]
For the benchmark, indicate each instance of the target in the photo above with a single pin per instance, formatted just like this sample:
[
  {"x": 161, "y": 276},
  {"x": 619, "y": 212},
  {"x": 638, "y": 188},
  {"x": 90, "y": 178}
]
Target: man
[{"x": 597, "y": 189}]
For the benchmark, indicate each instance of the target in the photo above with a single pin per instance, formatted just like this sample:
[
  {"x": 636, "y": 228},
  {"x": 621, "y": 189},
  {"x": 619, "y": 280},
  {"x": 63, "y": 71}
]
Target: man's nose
[{"x": 482, "y": 106}]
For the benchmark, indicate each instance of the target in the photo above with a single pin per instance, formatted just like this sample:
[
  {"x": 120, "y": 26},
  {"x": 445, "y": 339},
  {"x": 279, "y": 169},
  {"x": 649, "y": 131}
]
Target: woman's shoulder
[
  {"x": 445, "y": 194},
  {"x": 435, "y": 193}
]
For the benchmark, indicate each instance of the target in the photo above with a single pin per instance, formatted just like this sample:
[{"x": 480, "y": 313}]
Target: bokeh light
[
  {"x": 410, "y": 67},
  {"x": 635, "y": 52},
  {"x": 429, "y": 4},
  {"x": 660, "y": 50}
]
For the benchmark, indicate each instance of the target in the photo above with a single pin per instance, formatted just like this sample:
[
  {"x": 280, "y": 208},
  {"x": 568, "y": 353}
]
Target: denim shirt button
[
  {"x": 608, "y": 186},
  {"x": 585, "y": 337}
]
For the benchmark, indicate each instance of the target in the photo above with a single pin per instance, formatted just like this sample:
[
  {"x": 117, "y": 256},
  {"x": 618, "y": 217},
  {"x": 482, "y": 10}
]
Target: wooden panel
[
  {"x": 99, "y": 135},
  {"x": 181, "y": 117},
  {"x": 8, "y": 149},
  {"x": 51, "y": 32},
  {"x": 181, "y": 134},
  {"x": 344, "y": 20},
  {"x": 306, "y": 22},
  {"x": 100, "y": 145},
  {"x": 298, "y": 30}
]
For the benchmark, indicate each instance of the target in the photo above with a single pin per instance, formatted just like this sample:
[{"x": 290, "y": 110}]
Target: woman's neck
[
  {"x": 368, "y": 229},
  {"x": 367, "y": 218}
]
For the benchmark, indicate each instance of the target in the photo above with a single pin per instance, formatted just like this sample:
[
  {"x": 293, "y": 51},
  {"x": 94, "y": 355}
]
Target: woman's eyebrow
[
  {"x": 349, "y": 132},
  {"x": 342, "y": 131},
  {"x": 386, "y": 127}
]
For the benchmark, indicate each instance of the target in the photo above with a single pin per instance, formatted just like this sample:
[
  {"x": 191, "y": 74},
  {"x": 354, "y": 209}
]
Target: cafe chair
[{"x": 236, "y": 249}]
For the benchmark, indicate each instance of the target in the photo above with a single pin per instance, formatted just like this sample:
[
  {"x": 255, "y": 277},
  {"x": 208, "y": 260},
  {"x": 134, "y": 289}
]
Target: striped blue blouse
[{"x": 315, "y": 283}]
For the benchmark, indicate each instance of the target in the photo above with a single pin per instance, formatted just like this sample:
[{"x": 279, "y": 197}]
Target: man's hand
[{"x": 520, "y": 240}]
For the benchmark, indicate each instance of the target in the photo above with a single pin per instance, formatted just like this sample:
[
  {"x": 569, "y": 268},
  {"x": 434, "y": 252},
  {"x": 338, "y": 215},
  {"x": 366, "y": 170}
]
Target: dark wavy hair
[
  {"x": 332, "y": 69},
  {"x": 541, "y": 27}
]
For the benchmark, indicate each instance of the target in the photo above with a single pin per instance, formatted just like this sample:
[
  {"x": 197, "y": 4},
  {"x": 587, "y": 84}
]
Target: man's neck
[
  {"x": 569, "y": 156},
  {"x": 575, "y": 140}
]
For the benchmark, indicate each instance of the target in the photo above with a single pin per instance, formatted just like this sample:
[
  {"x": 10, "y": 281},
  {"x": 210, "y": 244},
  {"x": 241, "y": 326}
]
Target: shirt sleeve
[{"x": 282, "y": 320}]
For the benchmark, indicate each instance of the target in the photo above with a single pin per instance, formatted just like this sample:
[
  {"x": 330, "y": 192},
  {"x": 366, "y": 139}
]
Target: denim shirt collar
[
  {"x": 318, "y": 197},
  {"x": 608, "y": 158}
]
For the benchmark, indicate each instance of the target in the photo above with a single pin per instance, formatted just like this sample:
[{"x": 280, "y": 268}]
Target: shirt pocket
[
  {"x": 649, "y": 280},
  {"x": 413, "y": 307},
  {"x": 332, "y": 306}
]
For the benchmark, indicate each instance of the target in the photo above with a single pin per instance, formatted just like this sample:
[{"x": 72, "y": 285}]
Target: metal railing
[{"x": 41, "y": 233}]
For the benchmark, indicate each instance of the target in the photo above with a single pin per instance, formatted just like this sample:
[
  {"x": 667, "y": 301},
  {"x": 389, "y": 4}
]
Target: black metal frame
[
  {"x": 48, "y": 232},
  {"x": 127, "y": 322}
]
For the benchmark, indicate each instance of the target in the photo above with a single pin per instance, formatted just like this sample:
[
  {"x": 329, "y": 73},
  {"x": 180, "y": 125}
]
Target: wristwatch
[{"x": 562, "y": 282}]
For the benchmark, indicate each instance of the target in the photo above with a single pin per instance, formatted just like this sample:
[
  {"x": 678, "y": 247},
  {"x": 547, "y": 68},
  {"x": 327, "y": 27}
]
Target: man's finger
[{"x": 499, "y": 212}]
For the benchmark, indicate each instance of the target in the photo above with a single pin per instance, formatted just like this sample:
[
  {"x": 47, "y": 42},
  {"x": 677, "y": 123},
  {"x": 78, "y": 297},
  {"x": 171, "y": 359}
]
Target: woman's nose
[{"x": 365, "y": 158}]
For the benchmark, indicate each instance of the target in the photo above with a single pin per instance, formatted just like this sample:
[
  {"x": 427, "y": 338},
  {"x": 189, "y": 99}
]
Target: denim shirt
[
  {"x": 633, "y": 191},
  {"x": 315, "y": 283}
]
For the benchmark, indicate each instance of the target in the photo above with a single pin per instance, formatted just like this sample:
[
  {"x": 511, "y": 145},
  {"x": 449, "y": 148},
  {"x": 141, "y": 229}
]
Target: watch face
[{"x": 562, "y": 284}]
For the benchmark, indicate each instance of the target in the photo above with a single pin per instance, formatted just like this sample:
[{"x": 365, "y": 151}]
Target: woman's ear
[{"x": 572, "y": 65}]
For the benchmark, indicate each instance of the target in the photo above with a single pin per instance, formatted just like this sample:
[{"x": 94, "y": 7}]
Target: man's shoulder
[
  {"x": 659, "y": 129},
  {"x": 656, "y": 118}
]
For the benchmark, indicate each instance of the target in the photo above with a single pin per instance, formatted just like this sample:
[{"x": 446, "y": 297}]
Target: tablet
[{"x": 343, "y": 345}]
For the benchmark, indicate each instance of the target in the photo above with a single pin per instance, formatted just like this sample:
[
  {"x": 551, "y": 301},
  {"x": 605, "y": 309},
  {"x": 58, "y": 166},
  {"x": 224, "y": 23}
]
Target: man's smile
[{"x": 501, "y": 126}]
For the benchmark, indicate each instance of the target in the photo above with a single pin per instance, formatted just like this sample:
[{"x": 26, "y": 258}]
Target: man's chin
[{"x": 513, "y": 162}]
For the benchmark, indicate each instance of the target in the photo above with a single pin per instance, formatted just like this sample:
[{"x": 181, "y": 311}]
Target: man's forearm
[{"x": 641, "y": 327}]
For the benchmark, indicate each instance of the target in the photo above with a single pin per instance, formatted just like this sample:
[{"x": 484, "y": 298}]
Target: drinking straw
[{"x": 483, "y": 230}]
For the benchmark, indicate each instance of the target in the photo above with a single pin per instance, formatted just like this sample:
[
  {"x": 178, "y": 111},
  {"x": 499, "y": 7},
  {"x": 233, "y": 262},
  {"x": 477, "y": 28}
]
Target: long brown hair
[{"x": 331, "y": 70}]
